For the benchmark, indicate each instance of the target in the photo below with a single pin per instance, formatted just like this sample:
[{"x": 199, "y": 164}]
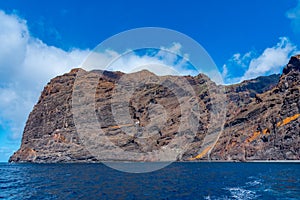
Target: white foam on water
[
  {"x": 242, "y": 194},
  {"x": 207, "y": 197},
  {"x": 254, "y": 183},
  {"x": 216, "y": 198}
]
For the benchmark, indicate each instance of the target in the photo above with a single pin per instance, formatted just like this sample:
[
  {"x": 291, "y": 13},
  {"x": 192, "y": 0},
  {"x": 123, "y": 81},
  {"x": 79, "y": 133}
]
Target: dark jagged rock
[
  {"x": 258, "y": 85},
  {"x": 262, "y": 118},
  {"x": 293, "y": 65}
]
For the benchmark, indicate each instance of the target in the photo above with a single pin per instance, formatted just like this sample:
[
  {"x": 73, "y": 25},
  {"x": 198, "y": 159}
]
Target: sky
[{"x": 40, "y": 40}]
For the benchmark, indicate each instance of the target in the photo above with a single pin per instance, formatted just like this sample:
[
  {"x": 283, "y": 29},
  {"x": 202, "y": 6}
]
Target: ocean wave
[
  {"x": 241, "y": 193},
  {"x": 254, "y": 183}
]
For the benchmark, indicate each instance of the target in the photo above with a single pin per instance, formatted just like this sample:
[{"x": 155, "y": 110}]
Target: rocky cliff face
[
  {"x": 261, "y": 120},
  {"x": 266, "y": 127}
]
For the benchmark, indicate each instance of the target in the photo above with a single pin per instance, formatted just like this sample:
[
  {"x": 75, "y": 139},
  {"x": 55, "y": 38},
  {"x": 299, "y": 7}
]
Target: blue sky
[{"x": 40, "y": 40}]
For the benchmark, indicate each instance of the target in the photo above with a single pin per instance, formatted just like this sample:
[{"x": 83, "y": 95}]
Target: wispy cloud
[
  {"x": 271, "y": 60},
  {"x": 251, "y": 64},
  {"x": 165, "y": 61},
  {"x": 294, "y": 16}
]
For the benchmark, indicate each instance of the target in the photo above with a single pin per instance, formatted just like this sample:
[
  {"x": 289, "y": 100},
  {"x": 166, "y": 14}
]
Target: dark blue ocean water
[{"x": 176, "y": 181}]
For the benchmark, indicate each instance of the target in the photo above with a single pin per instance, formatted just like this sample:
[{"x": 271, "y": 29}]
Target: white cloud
[
  {"x": 294, "y": 16},
  {"x": 271, "y": 60},
  {"x": 236, "y": 66},
  {"x": 27, "y": 64},
  {"x": 163, "y": 62},
  {"x": 242, "y": 60},
  {"x": 224, "y": 71},
  {"x": 251, "y": 65},
  {"x": 96, "y": 60},
  {"x": 166, "y": 61}
]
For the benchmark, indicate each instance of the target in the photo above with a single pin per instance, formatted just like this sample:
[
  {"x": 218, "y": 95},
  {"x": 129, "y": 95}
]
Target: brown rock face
[
  {"x": 139, "y": 116},
  {"x": 265, "y": 127}
]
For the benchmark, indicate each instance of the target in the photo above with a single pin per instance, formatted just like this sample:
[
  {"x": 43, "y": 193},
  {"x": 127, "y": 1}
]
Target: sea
[{"x": 179, "y": 180}]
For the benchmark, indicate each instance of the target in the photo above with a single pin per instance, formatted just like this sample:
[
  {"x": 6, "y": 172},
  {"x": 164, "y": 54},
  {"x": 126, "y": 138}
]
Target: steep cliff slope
[
  {"x": 266, "y": 127},
  {"x": 261, "y": 122}
]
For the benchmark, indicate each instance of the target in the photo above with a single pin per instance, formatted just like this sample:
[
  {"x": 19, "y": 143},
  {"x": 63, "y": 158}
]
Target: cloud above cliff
[
  {"x": 271, "y": 60},
  {"x": 252, "y": 64},
  {"x": 166, "y": 61},
  {"x": 27, "y": 64}
]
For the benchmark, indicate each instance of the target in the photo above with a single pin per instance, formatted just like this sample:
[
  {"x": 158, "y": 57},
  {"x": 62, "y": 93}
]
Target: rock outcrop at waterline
[{"x": 261, "y": 120}]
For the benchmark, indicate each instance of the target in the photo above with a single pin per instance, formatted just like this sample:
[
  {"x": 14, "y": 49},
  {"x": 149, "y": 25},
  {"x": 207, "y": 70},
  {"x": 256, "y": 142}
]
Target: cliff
[{"x": 261, "y": 120}]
